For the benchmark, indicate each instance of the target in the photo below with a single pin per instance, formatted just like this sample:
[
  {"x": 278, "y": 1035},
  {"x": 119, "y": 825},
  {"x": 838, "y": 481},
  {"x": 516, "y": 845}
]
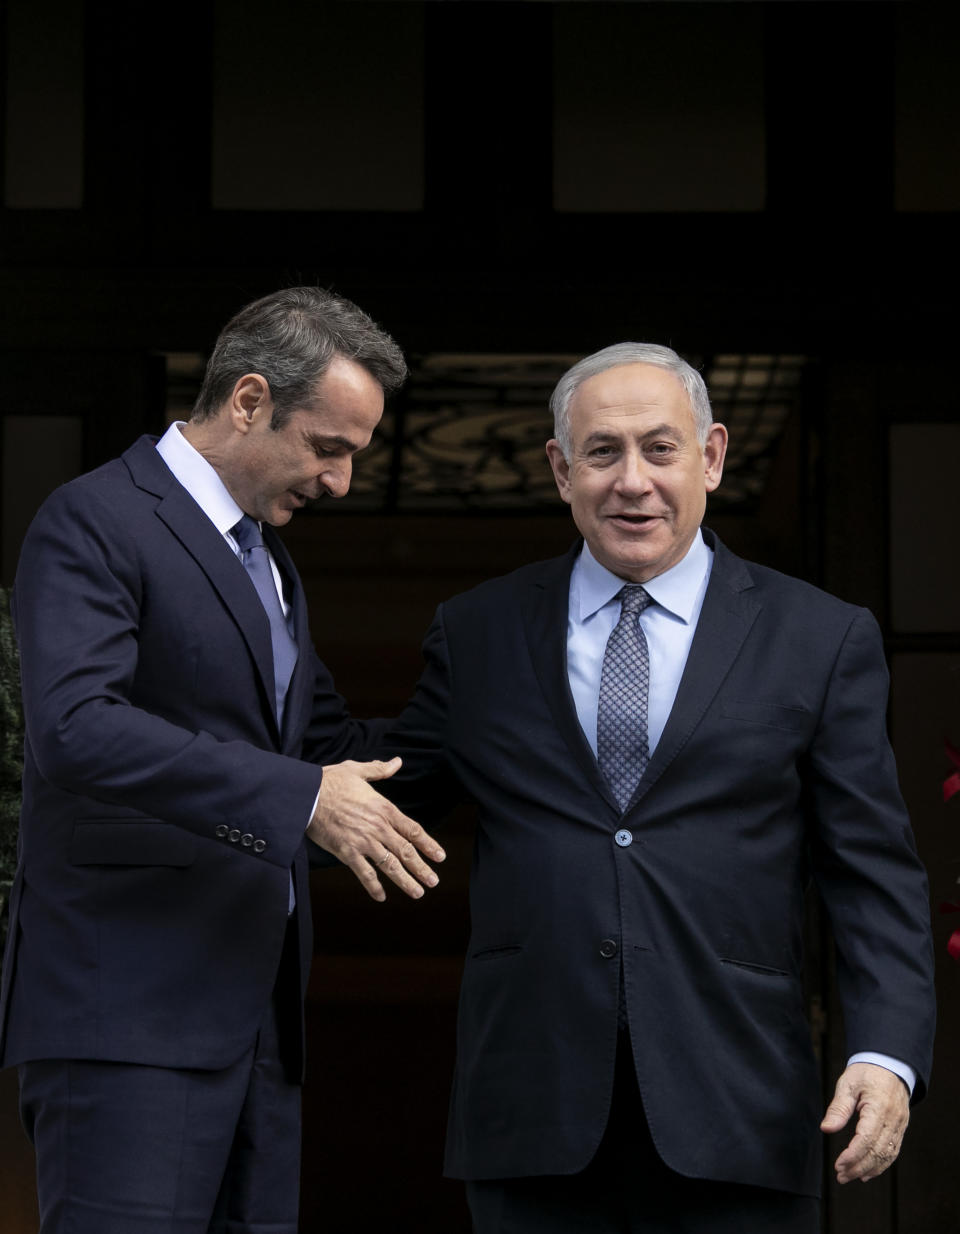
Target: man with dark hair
[
  {"x": 663, "y": 743},
  {"x": 290, "y": 338},
  {"x": 177, "y": 721}
]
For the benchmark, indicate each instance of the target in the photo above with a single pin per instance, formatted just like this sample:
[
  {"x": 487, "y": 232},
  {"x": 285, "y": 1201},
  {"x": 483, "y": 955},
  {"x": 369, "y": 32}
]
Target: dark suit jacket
[
  {"x": 162, "y": 808},
  {"x": 774, "y": 763}
]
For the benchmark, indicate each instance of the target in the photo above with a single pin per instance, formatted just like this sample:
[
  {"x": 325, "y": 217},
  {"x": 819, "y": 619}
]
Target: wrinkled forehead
[{"x": 629, "y": 397}]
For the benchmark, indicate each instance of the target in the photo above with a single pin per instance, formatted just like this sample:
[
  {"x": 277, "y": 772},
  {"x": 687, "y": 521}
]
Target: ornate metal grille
[{"x": 468, "y": 431}]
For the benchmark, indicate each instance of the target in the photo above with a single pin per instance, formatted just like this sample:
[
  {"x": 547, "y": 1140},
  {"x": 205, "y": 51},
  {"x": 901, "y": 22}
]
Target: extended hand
[
  {"x": 881, "y": 1100},
  {"x": 368, "y": 833}
]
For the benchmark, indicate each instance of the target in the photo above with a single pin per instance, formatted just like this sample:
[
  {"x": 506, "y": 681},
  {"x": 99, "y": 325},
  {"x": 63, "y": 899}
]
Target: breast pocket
[
  {"x": 131, "y": 842},
  {"x": 772, "y": 715}
]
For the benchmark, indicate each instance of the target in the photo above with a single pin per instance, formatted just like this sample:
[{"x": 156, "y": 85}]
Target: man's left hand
[{"x": 882, "y": 1103}]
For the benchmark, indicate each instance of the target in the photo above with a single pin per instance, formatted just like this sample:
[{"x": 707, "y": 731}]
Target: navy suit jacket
[
  {"x": 162, "y": 807},
  {"x": 774, "y": 763}
]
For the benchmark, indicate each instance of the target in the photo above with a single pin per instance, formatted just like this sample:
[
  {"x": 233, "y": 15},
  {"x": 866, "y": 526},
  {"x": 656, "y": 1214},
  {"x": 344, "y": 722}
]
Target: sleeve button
[
  {"x": 259, "y": 846},
  {"x": 246, "y": 839},
  {"x": 221, "y": 831},
  {"x": 234, "y": 835}
]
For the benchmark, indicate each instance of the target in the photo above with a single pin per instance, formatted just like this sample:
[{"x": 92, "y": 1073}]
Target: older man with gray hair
[{"x": 664, "y": 743}]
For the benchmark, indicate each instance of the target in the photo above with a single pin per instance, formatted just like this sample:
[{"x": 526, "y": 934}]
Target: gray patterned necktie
[
  {"x": 257, "y": 564},
  {"x": 622, "y": 750}
]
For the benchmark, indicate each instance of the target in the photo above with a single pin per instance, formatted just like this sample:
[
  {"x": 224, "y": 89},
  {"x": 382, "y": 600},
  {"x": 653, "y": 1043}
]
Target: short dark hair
[{"x": 290, "y": 338}]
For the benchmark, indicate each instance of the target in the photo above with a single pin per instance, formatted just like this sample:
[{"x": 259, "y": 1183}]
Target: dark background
[{"x": 771, "y": 188}]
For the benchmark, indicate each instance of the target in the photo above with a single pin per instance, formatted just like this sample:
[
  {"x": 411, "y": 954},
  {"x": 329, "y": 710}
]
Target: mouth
[{"x": 635, "y": 522}]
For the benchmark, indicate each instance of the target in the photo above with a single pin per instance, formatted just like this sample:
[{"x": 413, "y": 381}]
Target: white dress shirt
[
  {"x": 210, "y": 493},
  {"x": 668, "y": 624}
]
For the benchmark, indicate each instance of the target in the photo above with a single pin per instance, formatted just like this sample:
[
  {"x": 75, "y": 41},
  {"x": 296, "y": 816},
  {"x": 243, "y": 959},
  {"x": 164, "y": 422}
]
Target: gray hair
[
  {"x": 629, "y": 353},
  {"x": 290, "y": 339}
]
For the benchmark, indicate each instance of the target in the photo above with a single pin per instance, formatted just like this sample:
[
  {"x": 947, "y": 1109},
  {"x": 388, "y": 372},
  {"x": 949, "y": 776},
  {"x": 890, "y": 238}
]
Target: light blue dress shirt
[{"x": 669, "y": 625}]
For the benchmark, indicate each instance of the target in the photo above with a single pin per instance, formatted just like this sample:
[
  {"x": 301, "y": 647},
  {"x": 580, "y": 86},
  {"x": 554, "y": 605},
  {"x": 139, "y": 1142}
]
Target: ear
[
  {"x": 714, "y": 452},
  {"x": 560, "y": 468},
  {"x": 250, "y": 402}
]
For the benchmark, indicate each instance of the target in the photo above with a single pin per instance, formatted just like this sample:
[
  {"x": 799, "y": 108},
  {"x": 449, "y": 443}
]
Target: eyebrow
[
  {"x": 658, "y": 430},
  {"x": 665, "y": 430},
  {"x": 322, "y": 439}
]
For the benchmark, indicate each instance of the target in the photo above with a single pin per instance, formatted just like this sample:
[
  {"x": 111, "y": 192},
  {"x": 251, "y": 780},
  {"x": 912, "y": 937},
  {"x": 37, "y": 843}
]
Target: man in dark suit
[
  {"x": 177, "y": 721},
  {"x": 663, "y": 743}
]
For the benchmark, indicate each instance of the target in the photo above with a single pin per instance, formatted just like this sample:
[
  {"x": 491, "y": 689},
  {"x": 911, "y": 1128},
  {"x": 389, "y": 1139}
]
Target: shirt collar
[
  {"x": 677, "y": 589},
  {"x": 199, "y": 478}
]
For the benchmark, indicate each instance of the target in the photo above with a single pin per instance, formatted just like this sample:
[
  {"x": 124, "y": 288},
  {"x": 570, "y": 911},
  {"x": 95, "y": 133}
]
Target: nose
[
  {"x": 633, "y": 474},
  {"x": 335, "y": 476}
]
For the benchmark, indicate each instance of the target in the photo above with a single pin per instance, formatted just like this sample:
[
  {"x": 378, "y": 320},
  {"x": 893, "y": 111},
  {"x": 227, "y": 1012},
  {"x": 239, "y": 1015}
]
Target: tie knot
[
  {"x": 633, "y": 599},
  {"x": 247, "y": 533}
]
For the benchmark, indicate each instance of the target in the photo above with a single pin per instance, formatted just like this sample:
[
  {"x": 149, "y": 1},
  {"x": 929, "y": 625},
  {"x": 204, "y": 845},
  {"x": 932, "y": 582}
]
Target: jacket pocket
[
  {"x": 762, "y": 970},
  {"x": 496, "y": 953},
  {"x": 771, "y": 714},
  {"x": 129, "y": 842}
]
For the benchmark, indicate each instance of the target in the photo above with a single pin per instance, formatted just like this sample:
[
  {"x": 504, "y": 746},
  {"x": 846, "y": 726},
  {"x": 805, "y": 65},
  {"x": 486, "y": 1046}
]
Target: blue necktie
[
  {"x": 622, "y": 749},
  {"x": 257, "y": 563}
]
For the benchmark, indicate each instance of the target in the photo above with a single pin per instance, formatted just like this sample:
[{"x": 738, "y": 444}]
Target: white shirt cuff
[{"x": 313, "y": 811}]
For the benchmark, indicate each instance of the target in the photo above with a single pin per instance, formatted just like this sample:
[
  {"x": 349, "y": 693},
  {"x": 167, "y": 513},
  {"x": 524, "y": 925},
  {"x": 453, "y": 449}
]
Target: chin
[
  {"x": 627, "y": 564},
  {"x": 638, "y": 567},
  {"x": 635, "y": 571}
]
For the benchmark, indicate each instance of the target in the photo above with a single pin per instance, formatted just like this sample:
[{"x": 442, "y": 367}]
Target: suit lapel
[
  {"x": 545, "y": 605},
  {"x": 729, "y": 610},
  {"x": 181, "y": 514}
]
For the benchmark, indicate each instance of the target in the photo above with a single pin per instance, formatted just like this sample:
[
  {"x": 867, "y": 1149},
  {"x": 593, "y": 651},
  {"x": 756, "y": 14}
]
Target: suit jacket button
[
  {"x": 233, "y": 836},
  {"x": 221, "y": 831},
  {"x": 259, "y": 846},
  {"x": 624, "y": 838},
  {"x": 246, "y": 839},
  {"x": 608, "y": 948}
]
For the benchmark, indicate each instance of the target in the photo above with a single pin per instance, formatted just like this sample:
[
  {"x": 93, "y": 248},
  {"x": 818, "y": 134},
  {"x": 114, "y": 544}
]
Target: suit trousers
[
  {"x": 132, "y": 1149},
  {"x": 627, "y": 1189}
]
